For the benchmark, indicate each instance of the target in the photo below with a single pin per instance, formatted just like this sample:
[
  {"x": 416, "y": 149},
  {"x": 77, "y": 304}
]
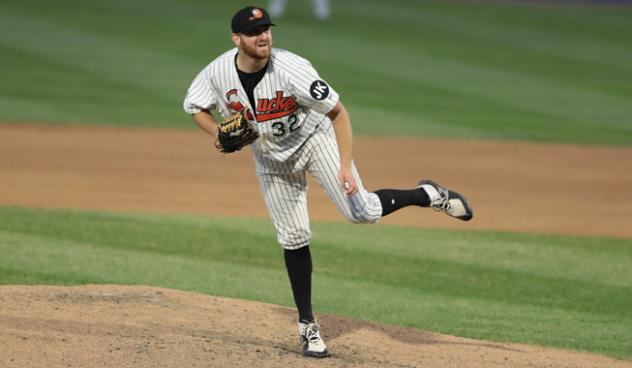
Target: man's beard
[{"x": 257, "y": 52}]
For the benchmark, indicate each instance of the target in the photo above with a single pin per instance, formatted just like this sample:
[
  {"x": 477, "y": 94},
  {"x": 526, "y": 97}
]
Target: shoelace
[
  {"x": 311, "y": 332},
  {"x": 442, "y": 203}
]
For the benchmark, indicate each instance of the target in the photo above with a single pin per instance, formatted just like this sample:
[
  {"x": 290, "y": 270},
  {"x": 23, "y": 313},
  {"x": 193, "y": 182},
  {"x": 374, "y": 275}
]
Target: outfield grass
[
  {"x": 565, "y": 292},
  {"x": 556, "y": 73}
]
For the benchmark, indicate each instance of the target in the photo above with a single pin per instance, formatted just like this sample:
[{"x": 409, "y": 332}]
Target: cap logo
[{"x": 256, "y": 14}]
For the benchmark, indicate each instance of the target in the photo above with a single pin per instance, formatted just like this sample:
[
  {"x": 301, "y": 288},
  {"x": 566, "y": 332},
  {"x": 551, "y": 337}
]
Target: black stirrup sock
[
  {"x": 299, "y": 269},
  {"x": 394, "y": 199}
]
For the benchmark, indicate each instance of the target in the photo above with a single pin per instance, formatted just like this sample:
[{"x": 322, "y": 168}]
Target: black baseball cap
[{"x": 250, "y": 18}]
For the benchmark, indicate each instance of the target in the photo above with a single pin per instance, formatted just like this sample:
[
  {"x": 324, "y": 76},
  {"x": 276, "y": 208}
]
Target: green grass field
[
  {"x": 501, "y": 71},
  {"x": 554, "y": 73},
  {"x": 557, "y": 291}
]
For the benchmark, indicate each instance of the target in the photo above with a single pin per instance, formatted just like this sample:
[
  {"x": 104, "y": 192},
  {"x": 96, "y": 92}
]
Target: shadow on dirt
[{"x": 335, "y": 326}]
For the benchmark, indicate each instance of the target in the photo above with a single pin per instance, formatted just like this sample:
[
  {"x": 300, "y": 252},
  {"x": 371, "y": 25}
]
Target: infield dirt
[
  {"x": 519, "y": 187},
  {"x": 524, "y": 187}
]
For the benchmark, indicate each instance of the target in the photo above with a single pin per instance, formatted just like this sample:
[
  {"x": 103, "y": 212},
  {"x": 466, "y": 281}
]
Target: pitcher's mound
[{"x": 132, "y": 326}]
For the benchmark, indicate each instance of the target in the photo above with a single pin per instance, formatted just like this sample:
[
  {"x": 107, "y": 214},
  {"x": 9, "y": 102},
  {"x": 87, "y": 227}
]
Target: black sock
[
  {"x": 394, "y": 199},
  {"x": 299, "y": 269}
]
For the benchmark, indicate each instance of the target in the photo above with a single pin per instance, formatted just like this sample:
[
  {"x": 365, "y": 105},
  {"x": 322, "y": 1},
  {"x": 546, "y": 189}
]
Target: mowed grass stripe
[
  {"x": 57, "y": 96},
  {"x": 462, "y": 73},
  {"x": 443, "y": 69},
  {"x": 514, "y": 37},
  {"x": 96, "y": 53},
  {"x": 62, "y": 262},
  {"x": 539, "y": 29},
  {"x": 559, "y": 291}
]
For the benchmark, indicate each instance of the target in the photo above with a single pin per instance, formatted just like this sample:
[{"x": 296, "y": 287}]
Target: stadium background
[{"x": 451, "y": 78}]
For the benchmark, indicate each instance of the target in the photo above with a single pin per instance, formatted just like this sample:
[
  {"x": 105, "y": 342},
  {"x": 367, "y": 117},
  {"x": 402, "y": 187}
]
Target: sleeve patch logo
[{"x": 319, "y": 90}]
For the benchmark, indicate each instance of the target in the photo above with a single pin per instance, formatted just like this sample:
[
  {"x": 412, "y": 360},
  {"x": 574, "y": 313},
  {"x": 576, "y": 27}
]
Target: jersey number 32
[{"x": 281, "y": 128}]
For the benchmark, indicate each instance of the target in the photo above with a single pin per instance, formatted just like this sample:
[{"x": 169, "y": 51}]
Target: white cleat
[
  {"x": 313, "y": 344},
  {"x": 447, "y": 201}
]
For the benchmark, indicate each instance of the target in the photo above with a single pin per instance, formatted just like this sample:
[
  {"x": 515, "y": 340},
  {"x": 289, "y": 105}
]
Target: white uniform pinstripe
[{"x": 295, "y": 137}]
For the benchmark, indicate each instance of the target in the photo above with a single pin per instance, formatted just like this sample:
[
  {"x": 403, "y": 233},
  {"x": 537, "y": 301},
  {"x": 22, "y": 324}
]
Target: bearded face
[{"x": 257, "y": 43}]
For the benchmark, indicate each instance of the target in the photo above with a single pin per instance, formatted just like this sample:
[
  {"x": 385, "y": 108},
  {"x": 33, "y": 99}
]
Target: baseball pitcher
[{"x": 276, "y": 103}]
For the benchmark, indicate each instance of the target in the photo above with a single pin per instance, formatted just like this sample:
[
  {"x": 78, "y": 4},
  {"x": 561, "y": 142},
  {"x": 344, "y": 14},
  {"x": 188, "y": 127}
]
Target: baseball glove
[{"x": 235, "y": 132}]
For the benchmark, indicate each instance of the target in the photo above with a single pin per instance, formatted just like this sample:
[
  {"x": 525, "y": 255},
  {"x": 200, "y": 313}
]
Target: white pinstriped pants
[{"x": 284, "y": 189}]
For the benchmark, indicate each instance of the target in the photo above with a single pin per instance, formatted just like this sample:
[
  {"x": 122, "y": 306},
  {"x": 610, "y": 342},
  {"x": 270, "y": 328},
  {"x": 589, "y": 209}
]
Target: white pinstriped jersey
[
  {"x": 296, "y": 137},
  {"x": 291, "y": 100}
]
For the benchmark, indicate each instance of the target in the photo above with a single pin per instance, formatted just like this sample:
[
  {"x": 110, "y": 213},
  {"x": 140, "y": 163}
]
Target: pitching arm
[{"x": 344, "y": 137}]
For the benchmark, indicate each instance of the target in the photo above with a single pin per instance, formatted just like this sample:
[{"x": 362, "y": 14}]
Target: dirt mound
[{"x": 132, "y": 326}]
